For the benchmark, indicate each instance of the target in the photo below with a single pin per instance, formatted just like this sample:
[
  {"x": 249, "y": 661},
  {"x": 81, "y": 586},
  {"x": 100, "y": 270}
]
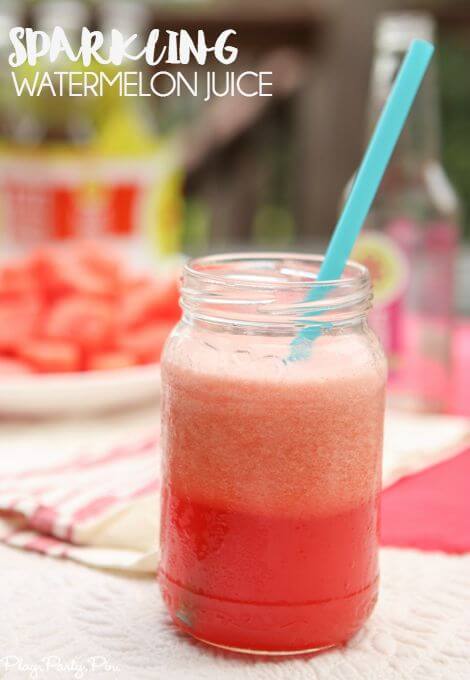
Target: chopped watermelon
[
  {"x": 88, "y": 322},
  {"x": 146, "y": 343},
  {"x": 144, "y": 304},
  {"x": 99, "y": 260},
  {"x": 111, "y": 361},
  {"x": 16, "y": 279},
  {"x": 13, "y": 367},
  {"x": 50, "y": 356},
  {"x": 19, "y": 319},
  {"x": 61, "y": 274},
  {"x": 77, "y": 307}
]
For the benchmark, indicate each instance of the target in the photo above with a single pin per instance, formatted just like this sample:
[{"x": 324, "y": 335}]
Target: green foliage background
[{"x": 454, "y": 76}]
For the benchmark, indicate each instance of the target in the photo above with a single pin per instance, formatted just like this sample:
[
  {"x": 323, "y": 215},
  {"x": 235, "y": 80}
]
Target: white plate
[{"x": 78, "y": 393}]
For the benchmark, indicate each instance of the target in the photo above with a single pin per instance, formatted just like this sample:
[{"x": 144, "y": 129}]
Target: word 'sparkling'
[{"x": 170, "y": 47}]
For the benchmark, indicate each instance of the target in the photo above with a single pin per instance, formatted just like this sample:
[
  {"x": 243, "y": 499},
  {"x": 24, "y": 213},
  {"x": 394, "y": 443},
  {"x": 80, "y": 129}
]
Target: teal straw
[{"x": 367, "y": 181}]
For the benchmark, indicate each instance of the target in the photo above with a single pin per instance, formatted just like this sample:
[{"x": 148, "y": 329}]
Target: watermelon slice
[
  {"x": 13, "y": 367},
  {"x": 86, "y": 321},
  {"x": 50, "y": 356},
  {"x": 146, "y": 343},
  {"x": 110, "y": 361}
]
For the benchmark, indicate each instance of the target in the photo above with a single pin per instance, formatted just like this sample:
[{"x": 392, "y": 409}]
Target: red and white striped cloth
[{"x": 100, "y": 509}]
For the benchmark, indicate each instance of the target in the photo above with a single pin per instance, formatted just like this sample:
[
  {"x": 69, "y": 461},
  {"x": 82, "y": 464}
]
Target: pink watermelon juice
[{"x": 271, "y": 481}]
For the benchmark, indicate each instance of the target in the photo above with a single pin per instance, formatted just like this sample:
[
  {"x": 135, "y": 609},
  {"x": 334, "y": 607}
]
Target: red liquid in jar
[{"x": 265, "y": 582}]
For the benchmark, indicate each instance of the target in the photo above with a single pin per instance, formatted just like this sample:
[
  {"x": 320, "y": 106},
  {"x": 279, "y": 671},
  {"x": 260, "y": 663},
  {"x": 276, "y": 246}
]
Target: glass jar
[{"x": 271, "y": 456}]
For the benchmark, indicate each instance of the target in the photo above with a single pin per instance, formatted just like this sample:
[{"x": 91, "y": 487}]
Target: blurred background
[{"x": 177, "y": 175}]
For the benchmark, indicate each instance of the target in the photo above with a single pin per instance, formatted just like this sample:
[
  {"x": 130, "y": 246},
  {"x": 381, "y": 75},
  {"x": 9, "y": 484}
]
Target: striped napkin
[{"x": 101, "y": 507}]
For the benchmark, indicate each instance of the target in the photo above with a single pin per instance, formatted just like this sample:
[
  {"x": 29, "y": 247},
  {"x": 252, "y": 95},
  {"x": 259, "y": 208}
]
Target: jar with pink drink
[{"x": 272, "y": 467}]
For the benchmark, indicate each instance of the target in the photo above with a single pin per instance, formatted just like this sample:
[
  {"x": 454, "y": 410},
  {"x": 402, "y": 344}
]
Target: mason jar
[{"x": 273, "y": 413}]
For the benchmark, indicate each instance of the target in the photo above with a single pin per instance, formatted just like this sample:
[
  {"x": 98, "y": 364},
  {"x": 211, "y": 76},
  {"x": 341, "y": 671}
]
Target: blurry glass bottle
[{"x": 411, "y": 235}]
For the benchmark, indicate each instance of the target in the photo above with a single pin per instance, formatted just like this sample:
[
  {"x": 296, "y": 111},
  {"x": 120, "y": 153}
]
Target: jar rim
[
  {"x": 361, "y": 273},
  {"x": 261, "y": 289}
]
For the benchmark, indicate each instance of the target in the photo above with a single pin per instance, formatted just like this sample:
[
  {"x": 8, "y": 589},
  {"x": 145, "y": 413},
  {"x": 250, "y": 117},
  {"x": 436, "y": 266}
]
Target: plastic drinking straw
[{"x": 367, "y": 181}]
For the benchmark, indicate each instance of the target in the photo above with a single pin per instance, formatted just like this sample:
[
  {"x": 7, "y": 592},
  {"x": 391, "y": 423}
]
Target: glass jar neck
[{"x": 267, "y": 293}]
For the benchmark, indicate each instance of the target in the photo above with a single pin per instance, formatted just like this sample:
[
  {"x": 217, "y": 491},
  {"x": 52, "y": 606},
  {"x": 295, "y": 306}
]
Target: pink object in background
[
  {"x": 460, "y": 388},
  {"x": 430, "y": 510}
]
